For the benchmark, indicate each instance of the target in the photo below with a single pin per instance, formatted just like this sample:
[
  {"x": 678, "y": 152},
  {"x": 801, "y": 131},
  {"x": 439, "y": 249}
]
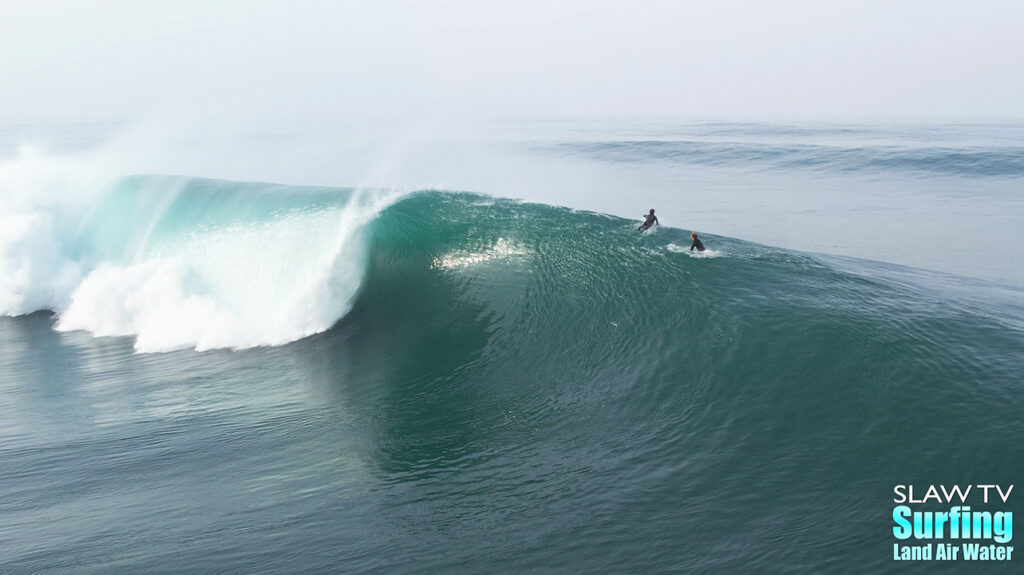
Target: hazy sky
[{"x": 129, "y": 59}]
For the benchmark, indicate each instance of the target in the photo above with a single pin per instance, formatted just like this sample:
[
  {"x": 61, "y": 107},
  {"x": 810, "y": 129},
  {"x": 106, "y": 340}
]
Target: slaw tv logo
[{"x": 957, "y": 523}]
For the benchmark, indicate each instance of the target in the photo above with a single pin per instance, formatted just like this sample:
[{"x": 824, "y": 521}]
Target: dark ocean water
[{"x": 203, "y": 376}]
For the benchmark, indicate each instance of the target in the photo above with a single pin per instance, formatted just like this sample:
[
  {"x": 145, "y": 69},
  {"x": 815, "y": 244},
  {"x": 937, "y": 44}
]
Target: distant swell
[{"x": 1005, "y": 161}]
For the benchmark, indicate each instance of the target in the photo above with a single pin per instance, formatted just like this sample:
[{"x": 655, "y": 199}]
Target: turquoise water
[{"x": 464, "y": 383}]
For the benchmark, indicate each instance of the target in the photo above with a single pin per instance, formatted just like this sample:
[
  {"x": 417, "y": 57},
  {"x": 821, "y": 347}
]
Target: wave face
[
  {"x": 695, "y": 400},
  {"x": 185, "y": 262},
  {"x": 555, "y": 295}
]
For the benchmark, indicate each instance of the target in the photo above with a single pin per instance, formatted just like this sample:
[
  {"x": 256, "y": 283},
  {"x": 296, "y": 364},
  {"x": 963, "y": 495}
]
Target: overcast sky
[{"x": 129, "y": 59}]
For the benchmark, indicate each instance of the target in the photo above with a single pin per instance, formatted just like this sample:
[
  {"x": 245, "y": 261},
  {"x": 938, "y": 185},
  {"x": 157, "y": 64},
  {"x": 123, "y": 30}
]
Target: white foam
[
  {"x": 694, "y": 254},
  {"x": 34, "y": 275},
  {"x": 40, "y": 198}
]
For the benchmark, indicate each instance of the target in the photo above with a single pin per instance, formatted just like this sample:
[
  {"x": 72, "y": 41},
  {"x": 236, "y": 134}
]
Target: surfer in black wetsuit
[
  {"x": 649, "y": 220},
  {"x": 697, "y": 244}
]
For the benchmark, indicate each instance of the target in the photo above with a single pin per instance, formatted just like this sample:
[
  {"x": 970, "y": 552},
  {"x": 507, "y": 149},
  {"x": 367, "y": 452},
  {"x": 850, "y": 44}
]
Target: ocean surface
[{"x": 305, "y": 351}]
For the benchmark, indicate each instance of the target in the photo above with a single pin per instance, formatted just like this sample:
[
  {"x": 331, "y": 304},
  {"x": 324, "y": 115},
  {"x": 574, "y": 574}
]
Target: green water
[{"x": 524, "y": 388}]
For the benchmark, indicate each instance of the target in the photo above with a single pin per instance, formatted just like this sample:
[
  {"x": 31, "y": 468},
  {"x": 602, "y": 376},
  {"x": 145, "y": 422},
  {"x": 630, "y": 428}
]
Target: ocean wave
[{"x": 195, "y": 263}]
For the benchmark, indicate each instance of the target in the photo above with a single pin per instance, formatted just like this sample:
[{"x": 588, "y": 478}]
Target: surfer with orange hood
[{"x": 697, "y": 244}]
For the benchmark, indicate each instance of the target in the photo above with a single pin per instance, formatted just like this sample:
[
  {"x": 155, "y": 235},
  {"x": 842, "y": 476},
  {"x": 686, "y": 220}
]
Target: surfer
[
  {"x": 697, "y": 244},
  {"x": 649, "y": 220}
]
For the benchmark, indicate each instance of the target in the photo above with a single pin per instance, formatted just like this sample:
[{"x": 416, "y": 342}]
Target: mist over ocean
[{"x": 323, "y": 350}]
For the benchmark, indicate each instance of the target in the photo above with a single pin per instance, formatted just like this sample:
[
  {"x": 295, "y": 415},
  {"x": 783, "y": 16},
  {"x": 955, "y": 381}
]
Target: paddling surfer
[
  {"x": 649, "y": 220},
  {"x": 697, "y": 244}
]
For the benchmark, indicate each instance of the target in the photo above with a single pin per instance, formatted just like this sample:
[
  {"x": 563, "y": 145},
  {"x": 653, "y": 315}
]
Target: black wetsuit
[
  {"x": 649, "y": 220},
  {"x": 697, "y": 245}
]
